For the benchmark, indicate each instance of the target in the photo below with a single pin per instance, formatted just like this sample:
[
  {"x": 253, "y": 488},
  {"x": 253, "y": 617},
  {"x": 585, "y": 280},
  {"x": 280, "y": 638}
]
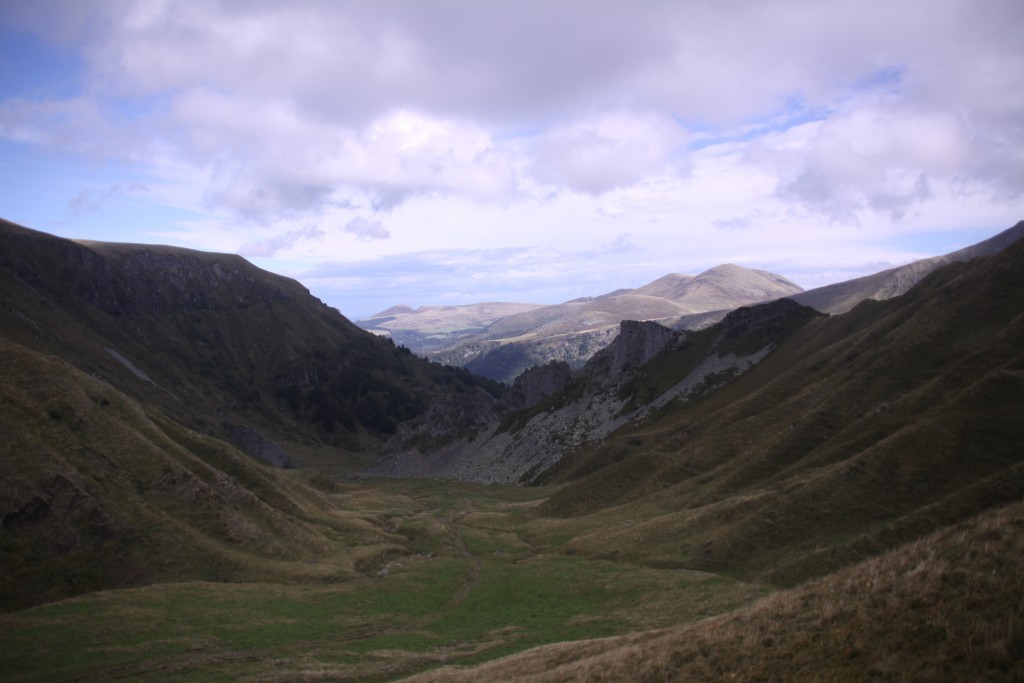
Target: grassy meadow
[{"x": 471, "y": 575}]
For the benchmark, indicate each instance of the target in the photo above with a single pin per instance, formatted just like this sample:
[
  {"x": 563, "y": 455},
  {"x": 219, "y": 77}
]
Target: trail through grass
[{"x": 472, "y": 583}]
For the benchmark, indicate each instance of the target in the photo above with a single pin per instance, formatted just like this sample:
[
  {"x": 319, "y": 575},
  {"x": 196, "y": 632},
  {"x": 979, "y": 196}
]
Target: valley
[
  {"x": 459, "y": 574},
  {"x": 208, "y": 474}
]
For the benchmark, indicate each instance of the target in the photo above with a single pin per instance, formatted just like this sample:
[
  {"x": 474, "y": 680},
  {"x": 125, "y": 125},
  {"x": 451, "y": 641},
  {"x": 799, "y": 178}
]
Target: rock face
[
  {"x": 536, "y": 384},
  {"x": 552, "y": 410},
  {"x": 136, "y": 279},
  {"x": 636, "y": 344}
]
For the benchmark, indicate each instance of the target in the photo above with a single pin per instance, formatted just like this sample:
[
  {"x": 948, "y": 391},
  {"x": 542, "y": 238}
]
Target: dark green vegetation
[
  {"x": 207, "y": 337},
  {"x": 849, "y": 508}
]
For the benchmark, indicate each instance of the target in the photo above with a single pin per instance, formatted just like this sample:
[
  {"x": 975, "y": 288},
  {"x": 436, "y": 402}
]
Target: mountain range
[
  {"x": 207, "y": 473},
  {"x": 506, "y": 339},
  {"x": 501, "y": 340}
]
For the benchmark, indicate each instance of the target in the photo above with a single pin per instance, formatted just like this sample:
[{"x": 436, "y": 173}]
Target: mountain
[
  {"x": 842, "y": 296},
  {"x": 428, "y": 328},
  {"x": 211, "y": 338},
  {"x": 143, "y": 390},
  {"x": 781, "y": 495},
  {"x": 516, "y": 442},
  {"x": 740, "y": 444},
  {"x": 499, "y": 342},
  {"x": 723, "y": 287},
  {"x": 575, "y": 330}
]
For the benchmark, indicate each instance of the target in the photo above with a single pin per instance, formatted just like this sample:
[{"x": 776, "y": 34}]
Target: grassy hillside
[
  {"x": 843, "y": 296},
  {"x": 857, "y": 433},
  {"x": 98, "y": 491},
  {"x": 944, "y": 608},
  {"x": 209, "y": 337},
  {"x": 848, "y": 508}
]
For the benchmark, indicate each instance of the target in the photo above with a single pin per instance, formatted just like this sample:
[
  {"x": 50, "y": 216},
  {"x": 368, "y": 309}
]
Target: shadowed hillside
[
  {"x": 210, "y": 338},
  {"x": 142, "y": 391},
  {"x": 98, "y": 491}
]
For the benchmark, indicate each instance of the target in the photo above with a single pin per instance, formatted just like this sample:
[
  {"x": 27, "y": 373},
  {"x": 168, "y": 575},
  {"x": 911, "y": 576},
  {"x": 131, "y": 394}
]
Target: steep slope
[
  {"x": 211, "y": 339},
  {"x": 97, "y": 491},
  {"x": 843, "y": 296},
  {"x": 857, "y": 433},
  {"x": 575, "y": 330},
  {"x": 142, "y": 391}
]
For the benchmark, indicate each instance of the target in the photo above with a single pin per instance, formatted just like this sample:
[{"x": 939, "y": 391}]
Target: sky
[{"x": 427, "y": 152}]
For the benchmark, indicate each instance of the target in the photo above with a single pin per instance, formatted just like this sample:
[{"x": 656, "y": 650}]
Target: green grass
[
  {"x": 947, "y": 607},
  {"x": 856, "y": 436},
  {"x": 470, "y": 584}
]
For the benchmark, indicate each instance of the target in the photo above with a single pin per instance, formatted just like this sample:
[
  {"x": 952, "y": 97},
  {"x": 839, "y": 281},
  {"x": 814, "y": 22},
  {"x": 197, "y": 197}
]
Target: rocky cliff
[
  {"x": 552, "y": 410},
  {"x": 636, "y": 344},
  {"x": 536, "y": 384}
]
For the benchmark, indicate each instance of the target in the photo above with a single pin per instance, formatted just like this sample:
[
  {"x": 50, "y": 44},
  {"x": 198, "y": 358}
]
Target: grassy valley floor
[{"x": 468, "y": 575}]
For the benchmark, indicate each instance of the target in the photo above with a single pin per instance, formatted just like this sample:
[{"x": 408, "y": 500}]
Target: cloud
[
  {"x": 851, "y": 112},
  {"x": 270, "y": 247},
  {"x": 746, "y": 221},
  {"x": 365, "y": 231},
  {"x": 622, "y": 244},
  {"x": 91, "y": 199},
  {"x": 613, "y": 149},
  {"x": 878, "y": 157}
]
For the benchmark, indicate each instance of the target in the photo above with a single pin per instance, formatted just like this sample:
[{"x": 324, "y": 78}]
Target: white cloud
[
  {"x": 366, "y": 231},
  {"x": 613, "y": 149},
  {"x": 663, "y": 131}
]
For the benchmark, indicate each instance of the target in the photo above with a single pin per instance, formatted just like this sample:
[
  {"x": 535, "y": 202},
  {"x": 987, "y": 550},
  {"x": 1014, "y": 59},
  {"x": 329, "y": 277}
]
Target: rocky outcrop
[
  {"x": 137, "y": 279},
  {"x": 143, "y": 280},
  {"x": 766, "y": 320},
  {"x": 636, "y": 344},
  {"x": 504, "y": 361},
  {"x": 536, "y": 384}
]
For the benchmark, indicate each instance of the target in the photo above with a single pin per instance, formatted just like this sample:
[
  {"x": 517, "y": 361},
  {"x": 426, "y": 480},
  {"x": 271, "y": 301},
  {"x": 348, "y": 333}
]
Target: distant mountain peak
[{"x": 400, "y": 309}]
